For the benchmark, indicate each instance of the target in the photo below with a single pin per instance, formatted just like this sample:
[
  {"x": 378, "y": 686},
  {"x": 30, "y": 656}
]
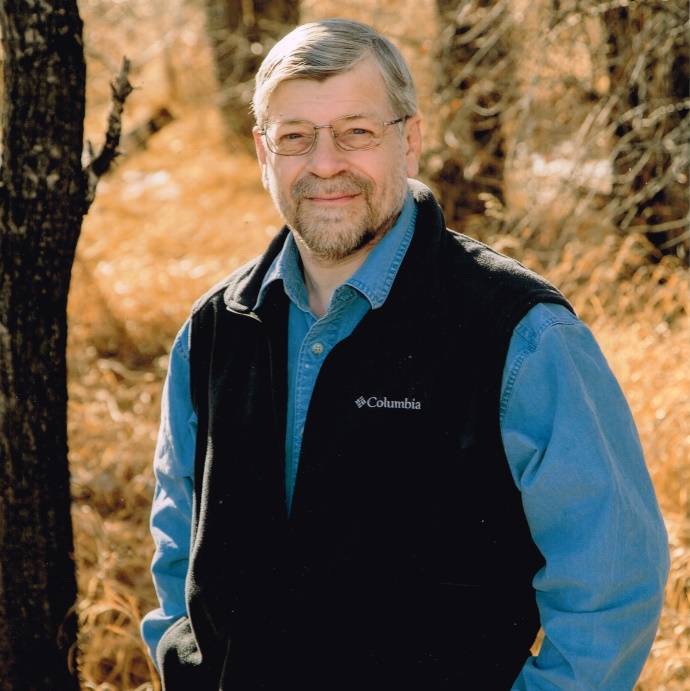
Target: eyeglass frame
[{"x": 263, "y": 132}]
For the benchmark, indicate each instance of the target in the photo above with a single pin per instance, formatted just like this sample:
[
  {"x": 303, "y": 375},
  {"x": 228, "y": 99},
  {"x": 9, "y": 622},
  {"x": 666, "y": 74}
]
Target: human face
[{"x": 339, "y": 202}]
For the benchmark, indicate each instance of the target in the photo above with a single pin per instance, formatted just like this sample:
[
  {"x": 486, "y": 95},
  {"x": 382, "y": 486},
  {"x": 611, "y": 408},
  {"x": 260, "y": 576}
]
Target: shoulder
[
  {"x": 496, "y": 286},
  {"x": 227, "y": 287},
  {"x": 239, "y": 291},
  {"x": 545, "y": 320},
  {"x": 552, "y": 352},
  {"x": 482, "y": 260},
  {"x": 467, "y": 271},
  {"x": 551, "y": 335}
]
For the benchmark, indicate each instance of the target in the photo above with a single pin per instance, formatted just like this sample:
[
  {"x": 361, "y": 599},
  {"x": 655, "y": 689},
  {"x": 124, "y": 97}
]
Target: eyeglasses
[{"x": 350, "y": 133}]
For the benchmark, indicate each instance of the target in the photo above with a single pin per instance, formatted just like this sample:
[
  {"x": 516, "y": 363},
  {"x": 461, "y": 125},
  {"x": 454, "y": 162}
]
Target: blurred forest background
[{"x": 555, "y": 130}]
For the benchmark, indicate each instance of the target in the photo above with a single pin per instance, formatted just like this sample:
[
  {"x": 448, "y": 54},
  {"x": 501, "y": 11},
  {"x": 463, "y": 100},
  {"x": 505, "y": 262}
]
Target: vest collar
[{"x": 243, "y": 288}]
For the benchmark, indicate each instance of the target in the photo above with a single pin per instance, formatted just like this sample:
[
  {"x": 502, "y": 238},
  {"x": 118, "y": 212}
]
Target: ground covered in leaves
[{"x": 177, "y": 216}]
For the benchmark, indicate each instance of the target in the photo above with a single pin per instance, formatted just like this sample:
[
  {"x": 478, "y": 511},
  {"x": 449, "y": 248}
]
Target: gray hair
[{"x": 328, "y": 48}]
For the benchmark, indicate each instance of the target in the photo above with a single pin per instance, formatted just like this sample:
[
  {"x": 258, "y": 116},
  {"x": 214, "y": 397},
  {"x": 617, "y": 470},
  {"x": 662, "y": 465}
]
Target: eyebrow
[{"x": 292, "y": 121}]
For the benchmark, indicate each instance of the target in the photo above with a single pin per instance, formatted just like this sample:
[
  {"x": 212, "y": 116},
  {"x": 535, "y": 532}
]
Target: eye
[
  {"x": 290, "y": 131},
  {"x": 292, "y": 136},
  {"x": 358, "y": 131}
]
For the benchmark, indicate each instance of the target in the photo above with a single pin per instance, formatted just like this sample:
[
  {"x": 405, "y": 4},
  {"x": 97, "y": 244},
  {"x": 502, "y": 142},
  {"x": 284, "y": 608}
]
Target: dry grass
[{"x": 172, "y": 220}]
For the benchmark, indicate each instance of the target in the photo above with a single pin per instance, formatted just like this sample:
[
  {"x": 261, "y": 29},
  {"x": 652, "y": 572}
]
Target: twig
[
  {"x": 101, "y": 164},
  {"x": 675, "y": 241}
]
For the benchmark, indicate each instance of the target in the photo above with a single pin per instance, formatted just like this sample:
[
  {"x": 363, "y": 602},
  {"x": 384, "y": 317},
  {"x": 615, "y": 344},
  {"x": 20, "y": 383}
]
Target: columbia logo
[{"x": 374, "y": 402}]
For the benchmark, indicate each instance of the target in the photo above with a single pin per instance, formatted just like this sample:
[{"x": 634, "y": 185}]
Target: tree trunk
[
  {"x": 241, "y": 34},
  {"x": 649, "y": 73},
  {"x": 42, "y": 202},
  {"x": 475, "y": 80}
]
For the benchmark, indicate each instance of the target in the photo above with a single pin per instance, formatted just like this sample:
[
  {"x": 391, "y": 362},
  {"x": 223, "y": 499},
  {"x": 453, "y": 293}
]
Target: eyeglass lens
[{"x": 351, "y": 133}]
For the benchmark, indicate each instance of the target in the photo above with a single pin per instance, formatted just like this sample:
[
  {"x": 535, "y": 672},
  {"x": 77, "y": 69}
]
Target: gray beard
[{"x": 336, "y": 236}]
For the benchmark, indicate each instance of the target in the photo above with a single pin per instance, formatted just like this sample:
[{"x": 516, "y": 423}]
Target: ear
[
  {"x": 260, "y": 153},
  {"x": 412, "y": 132}
]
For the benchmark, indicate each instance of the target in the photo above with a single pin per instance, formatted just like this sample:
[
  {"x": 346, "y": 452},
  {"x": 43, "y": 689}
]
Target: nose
[{"x": 326, "y": 158}]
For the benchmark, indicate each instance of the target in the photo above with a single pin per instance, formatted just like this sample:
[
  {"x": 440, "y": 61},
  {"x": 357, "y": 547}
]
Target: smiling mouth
[{"x": 333, "y": 199}]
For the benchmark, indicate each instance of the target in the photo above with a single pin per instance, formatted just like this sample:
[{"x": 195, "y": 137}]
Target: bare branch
[{"x": 101, "y": 164}]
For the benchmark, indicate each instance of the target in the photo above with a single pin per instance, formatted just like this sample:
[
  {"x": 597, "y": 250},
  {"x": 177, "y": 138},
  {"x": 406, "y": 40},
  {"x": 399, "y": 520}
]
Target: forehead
[{"x": 360, "y": 90}]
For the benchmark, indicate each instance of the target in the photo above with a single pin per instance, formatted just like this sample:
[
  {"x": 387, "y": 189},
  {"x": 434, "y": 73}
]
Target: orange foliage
[{"x": 172, "y": 220}]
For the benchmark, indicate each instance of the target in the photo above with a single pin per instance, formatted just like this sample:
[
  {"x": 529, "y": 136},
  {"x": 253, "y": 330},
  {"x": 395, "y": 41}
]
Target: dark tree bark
[
  {"x": 649, "y": 68},
  {"x": 44, "y": 193},
  {"x": 241, "y": 34},
  {"x": 475, "y": 81}
]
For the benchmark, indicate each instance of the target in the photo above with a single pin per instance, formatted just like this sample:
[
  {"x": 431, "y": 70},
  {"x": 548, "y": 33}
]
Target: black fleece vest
[{"x": 407, "y": 561}]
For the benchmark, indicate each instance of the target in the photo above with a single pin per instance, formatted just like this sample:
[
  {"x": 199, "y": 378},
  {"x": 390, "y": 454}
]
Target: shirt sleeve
[
  {"x": 171, "y": 512},
  {"x": 575, "y": 455}
]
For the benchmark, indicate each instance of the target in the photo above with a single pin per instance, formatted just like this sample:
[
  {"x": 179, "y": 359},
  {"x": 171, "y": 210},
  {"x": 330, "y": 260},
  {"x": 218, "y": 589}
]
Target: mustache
[{"x": 345, "y": 183}]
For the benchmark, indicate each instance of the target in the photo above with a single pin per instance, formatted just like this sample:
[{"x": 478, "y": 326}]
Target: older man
[{"x": 388, "y": 453}]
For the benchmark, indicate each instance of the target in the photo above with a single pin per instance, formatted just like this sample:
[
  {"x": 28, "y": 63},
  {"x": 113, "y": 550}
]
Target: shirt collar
[{"x": 373, "y": 279}]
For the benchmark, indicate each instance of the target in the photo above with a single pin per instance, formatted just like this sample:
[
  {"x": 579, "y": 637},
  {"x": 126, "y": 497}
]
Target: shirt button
[{"x": 317, "y": 349}]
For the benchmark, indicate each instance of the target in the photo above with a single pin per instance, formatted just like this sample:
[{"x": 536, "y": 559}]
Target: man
[{"x": 389, "y": 454}]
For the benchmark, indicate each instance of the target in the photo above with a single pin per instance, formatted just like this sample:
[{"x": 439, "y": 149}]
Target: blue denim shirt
[
  {"x": 310, "y": 339},
  {"x": 573, "y": 451}
]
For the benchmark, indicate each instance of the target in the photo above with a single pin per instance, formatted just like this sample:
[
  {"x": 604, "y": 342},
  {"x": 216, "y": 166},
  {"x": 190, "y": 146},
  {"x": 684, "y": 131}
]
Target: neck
[{"x": 323, "y": 276}]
